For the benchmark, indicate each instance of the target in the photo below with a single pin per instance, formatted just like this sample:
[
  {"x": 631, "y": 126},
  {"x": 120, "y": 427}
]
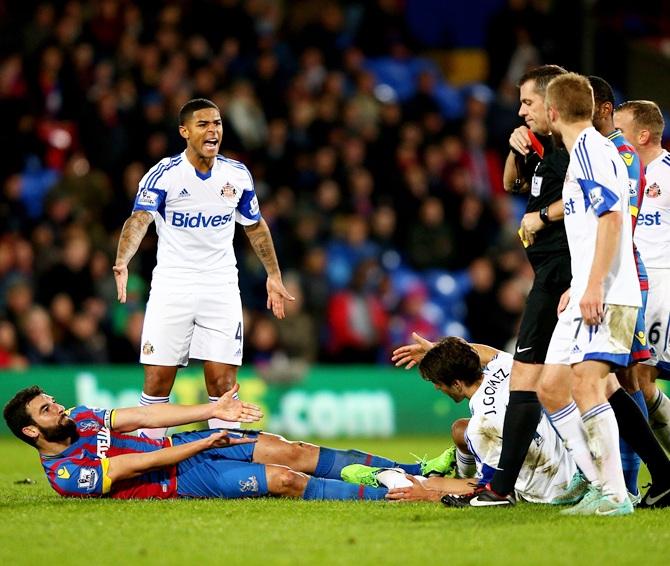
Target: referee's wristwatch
[{"x": 544, "y": 215}]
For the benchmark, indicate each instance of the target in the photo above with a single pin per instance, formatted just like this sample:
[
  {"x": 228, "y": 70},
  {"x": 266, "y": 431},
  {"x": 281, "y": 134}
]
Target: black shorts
[{"x": 539, "y": 318}]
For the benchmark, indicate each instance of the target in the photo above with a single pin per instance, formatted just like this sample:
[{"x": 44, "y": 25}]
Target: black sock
[
  {"x": 521, "y": 419},
  {"x": 635, "y": 430}
]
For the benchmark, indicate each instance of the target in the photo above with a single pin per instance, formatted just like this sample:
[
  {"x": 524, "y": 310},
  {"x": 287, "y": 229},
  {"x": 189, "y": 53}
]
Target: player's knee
[
  {"x": 285, "y": 481},
  {"x": 458, "y": 434}
]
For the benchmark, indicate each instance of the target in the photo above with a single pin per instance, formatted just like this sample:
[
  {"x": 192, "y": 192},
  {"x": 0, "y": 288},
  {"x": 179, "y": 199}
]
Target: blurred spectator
[
  {"x": 40, "y": 346},
  {"x": 10, "y": 358},
  {"x": 357, "y": 320}
]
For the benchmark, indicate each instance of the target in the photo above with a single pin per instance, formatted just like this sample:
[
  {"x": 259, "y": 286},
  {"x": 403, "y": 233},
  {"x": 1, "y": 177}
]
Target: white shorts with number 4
[
  {"x": 201, "y": 323},
  {"x": 657, "y": 318},
  {"x": 573, "y": 341}
]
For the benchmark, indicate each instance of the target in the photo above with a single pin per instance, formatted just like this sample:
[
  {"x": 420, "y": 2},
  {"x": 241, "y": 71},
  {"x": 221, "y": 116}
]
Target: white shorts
[
  {"x": 573, "y": 341},
  {"x": 201, "y": 323},
  {"x": 657, "y": 318}
]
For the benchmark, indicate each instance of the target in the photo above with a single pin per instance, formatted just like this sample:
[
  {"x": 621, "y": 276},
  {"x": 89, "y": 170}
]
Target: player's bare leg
[
  {"x": 158, "y": 381},
  {"x": 219, "y": 378},
  {"x": 284, "y": 481}
]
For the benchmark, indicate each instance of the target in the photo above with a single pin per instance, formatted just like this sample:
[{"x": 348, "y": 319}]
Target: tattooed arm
[
  {"x": 131, "y": 235},
  {"x": 261, "y": 240}
]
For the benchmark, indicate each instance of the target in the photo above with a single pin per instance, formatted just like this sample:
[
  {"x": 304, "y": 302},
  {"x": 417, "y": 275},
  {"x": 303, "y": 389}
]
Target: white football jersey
[
  {"x": 195, "y": 217},
  {"x": 652, "y": 234},
  {"x": 548, "y": 467},
  {"x": 597, "y": 183}
]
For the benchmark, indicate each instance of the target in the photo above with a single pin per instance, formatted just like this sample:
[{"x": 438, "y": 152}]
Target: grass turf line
[{"x": 37, "y": 526}]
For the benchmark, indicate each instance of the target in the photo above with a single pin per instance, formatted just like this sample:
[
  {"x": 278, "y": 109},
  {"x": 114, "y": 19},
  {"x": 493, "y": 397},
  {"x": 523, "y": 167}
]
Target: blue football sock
[
  {"x": 630, "y": 461},
  {"x": 331, "y": 462},
  {"x": 322, "y": 488}
]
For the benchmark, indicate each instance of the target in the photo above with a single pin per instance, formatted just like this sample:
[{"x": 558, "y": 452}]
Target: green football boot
[
  {"x": 442, "y": 465},
  {"x": 360, "y": 474}
]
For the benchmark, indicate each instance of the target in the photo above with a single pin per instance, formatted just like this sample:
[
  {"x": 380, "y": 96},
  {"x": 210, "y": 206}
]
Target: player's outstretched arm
[
  {"x": 261, "y": 241},
  {"x": 411, "y": 355},
  {"x": 166, "y": 415},
  {"x": 128, "y": 466},
  {"x": 433, "y": 489},
  {"x": 134, "y": 229}
]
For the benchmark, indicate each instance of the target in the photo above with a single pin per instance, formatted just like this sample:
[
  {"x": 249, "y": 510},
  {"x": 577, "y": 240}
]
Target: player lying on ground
[
  {"x": 86, "y": 452},
  {"x": 413, "y": 354},
  {"x": 480, "y": 374}
]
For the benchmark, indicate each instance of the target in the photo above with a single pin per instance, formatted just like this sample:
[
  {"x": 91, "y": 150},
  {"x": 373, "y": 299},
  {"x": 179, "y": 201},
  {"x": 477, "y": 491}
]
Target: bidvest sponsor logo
[{"x": 199, "y": 220}]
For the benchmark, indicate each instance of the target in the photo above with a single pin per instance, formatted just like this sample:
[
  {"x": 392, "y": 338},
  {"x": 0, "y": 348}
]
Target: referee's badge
[{"x": 536, "y": 186}]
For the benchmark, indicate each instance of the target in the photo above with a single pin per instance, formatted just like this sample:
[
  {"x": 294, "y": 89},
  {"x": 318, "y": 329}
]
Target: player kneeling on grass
[
  {"x": 86, "y": 452},
  {"x": 480, "y": 374}
]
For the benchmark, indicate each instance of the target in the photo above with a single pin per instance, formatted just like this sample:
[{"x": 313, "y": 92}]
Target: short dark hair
[
  {"x": 193, "y": 105},
  {"x": 602, "y": 90},
  {"x": 16, "y": 412},
  {"x": 450, "y": 359},
  {"x": 542, "y": 76}
]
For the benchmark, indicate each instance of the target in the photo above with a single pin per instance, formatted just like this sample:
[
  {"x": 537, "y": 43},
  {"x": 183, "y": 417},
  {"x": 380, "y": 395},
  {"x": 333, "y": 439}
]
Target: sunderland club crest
[{"x": 228, "y": 191}]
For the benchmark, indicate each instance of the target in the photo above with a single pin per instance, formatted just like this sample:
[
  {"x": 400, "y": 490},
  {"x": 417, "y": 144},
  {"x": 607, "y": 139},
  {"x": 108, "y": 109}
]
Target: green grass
[{"x": 38, "y": 527}]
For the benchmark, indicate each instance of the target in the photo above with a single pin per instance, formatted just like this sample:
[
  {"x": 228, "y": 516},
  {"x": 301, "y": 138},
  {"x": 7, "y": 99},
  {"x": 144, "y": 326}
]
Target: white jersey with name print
[
  {"x": 597, "y": 183},
  {"x": 652, "y": 234},
  {"x": 195, "y": 217},
  {"x": 547, "y": 469}
]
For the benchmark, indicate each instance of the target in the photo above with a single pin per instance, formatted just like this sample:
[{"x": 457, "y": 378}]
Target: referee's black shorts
[{"x": 552, "y": 278}]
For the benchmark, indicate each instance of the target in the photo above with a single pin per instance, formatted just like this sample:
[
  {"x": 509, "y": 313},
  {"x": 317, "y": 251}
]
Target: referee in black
[{"x": 536, "y": 167}]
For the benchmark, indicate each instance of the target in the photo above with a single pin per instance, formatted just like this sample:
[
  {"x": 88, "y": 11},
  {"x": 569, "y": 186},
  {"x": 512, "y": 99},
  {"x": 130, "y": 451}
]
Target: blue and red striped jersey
[
  {"x": 81, "y": 469},
  {"x": 637, "y": 183}
]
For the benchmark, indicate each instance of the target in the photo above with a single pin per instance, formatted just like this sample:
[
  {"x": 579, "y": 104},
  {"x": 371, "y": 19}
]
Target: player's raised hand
[
  {"x": 414, "y": 492},
  {"x": 277, "y": 294},
  {"x": 121, "y": 277},
  {"x": 411, "y": 354},
  {"x": 519, "y": 140},
  {"x": 229, "y": 409},
  {"x": 592, "y": 304},
  {"x": 221, "y": 438}
]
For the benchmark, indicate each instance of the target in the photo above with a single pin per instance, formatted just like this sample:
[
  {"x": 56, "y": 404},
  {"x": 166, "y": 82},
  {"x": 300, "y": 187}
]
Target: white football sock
[
  {"x": 145, "y": 401},
  {"x": 219, "y": 423},
  {"x": 568, "y": 423},
  {"x": 659, "y": 418},
  {"x": 392, "y": 478},
  {"x": 465, "y": 464},
  {"x": 602, "y": 432}
]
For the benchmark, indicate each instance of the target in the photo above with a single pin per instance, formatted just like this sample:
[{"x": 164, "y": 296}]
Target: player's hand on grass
[
  {"x": 121, "y": 277},
  {"x": 592, "y": 304},
  {"x": 414, "y": 492},
  {"x": 277, "y": 294},
  {"x": 519, "y": 140},
  {"x": 530, "y": 225},
  {"x": 221, "y": 439},
  {"x": 563, "y": 301},
  {"x": 411, "y": 354},
  {"x": 229, "y": 409}
]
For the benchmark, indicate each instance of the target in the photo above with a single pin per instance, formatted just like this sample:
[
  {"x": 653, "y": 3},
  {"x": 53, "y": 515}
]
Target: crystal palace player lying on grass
[{"x": 86, "y": 452}]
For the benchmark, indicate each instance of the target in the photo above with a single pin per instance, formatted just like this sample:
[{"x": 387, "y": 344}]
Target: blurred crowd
[{"x": 381, "y": 182}]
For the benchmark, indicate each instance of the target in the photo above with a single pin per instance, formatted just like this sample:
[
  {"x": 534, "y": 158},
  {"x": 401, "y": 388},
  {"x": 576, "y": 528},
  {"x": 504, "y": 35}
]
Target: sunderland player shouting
[{"x": 194, "y": 309}]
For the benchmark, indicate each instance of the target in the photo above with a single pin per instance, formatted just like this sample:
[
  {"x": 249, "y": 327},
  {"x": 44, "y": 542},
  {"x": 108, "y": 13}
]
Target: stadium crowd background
[{"x": 377, "y": 165}]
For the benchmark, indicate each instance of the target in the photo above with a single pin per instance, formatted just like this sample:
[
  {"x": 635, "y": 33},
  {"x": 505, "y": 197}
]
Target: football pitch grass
[{"x": 39, "y": 527}]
